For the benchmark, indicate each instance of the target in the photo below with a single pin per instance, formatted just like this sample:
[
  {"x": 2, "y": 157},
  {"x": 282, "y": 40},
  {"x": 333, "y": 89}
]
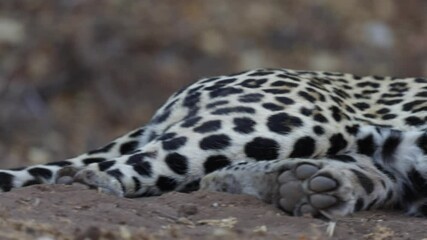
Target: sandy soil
[{"x": 75, "y": 212}]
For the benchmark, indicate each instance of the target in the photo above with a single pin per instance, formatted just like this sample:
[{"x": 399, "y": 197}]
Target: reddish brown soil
[{"x": 75, "y": 212}]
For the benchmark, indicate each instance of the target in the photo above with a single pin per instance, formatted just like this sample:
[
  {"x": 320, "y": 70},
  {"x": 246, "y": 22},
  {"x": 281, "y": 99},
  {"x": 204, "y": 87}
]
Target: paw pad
[
  {"x": 322, "y": 184},
  {"x": 301, "y": 191},
  {"x": 322, "y": 201},
  {"x": 291, "y": 194},
  {"x": 305, "y": 171}
]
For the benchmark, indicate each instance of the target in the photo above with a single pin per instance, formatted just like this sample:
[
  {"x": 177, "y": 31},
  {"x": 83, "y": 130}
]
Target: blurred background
[{"x": 76, "y": 74}]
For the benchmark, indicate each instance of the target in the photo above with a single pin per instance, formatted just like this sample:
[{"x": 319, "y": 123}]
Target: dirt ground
[{"x": 74, "y": 212}]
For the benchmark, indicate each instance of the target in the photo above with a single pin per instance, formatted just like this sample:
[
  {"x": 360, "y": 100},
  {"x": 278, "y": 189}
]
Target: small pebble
[
  {"x": 189, "y": 209},
  {"x": 65, "y": 180}
]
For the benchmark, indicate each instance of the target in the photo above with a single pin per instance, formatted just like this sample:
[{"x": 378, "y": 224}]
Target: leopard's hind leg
[
  {"x": 386, "y": 167},
  {"x": 326, "y": 187}
]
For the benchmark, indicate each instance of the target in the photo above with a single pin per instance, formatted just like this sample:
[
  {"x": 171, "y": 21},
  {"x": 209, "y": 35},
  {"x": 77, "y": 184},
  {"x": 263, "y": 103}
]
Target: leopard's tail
[{"x": 51, "y": 173}]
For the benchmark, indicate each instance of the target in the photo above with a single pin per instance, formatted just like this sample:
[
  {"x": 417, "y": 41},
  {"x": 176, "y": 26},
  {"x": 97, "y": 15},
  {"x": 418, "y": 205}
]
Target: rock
[{"x": 187, "y": 210}]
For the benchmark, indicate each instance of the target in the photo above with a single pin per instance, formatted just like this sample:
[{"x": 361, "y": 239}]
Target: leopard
[{"x": 320, "y": 143}]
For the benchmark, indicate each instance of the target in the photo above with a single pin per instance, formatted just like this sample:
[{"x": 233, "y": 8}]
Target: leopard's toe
[{"x": 100, "y": 180}]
